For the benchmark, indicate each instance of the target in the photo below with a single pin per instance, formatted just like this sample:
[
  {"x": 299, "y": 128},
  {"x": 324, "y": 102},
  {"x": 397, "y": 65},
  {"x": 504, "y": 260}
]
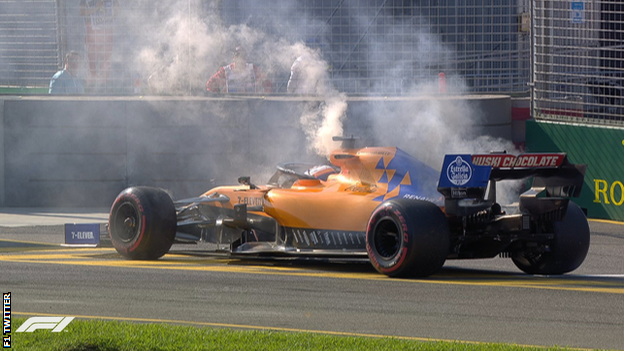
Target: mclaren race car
[{"x": 376, "y": 203}]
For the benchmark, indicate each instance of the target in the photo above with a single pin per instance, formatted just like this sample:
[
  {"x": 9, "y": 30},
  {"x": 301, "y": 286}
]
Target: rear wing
[{"x": 465, "y": 177}]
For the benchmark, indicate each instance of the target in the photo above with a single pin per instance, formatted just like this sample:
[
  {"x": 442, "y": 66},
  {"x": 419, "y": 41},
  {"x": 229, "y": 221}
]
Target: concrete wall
[{"x": 82, "y": 151}]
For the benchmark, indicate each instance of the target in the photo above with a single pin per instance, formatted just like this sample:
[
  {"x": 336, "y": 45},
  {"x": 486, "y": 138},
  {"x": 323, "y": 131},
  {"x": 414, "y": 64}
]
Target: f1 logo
[{"x": 57, "y": 324}]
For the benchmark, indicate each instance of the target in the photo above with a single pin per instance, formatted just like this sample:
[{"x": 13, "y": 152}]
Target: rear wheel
[
  {"x": 407, "y": 238},
  {"x": 142, "y": 223},
  {"x": 567, "y": 250}
]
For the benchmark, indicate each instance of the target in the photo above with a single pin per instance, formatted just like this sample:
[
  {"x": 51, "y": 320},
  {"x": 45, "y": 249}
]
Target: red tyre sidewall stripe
[
  {"x": 404, "y": 239},
  {"x": 370, "y": 227},
  {"x": 389, "y": 211},
  {"x": 116, "y": 244},
  {"x": 397, "y": 264},
  {"x": 128, "y": 197},
  {"x": 138, "y": 240}
]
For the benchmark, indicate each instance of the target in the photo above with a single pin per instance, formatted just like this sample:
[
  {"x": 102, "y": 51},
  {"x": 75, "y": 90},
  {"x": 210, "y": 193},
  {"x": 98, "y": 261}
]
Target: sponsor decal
[
  {"x": 498, "y": 161},
  {"x": 608, "y": 193},
  {"x": 459, "y": 172},
  {"x": 6, "y": 321},
  {"x": 251, "y": 201},
  {"x": 374, "y": 152},
  {"x": 459, "y": 193},
  {"x": 82, "y": 233},
  {"x": 417, "y": 197},
  {"x": 57, "y": 324},
  {"x": 530, "y": 161},
  {"x": 138, "y": 202},
  {"x": 363, "y": 189},
  {"x": 521, "y": 161}
]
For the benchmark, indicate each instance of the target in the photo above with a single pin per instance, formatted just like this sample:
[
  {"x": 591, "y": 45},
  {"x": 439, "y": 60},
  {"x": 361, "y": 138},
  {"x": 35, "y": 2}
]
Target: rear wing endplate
[{"x": 468, "y": 176}]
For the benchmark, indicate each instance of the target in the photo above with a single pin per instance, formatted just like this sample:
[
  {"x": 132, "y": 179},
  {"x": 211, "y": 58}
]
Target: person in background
[
  {"x": 65, "y": 81},
  {"x": 239, "y": 76},
  {"x": 309, "y": 74},
  {"x": 99, "y": 19},
  {"x": 168, "y": 78}
]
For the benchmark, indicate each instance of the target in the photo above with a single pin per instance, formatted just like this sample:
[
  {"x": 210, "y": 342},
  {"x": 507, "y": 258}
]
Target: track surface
[{"x": 483, "y": 301}]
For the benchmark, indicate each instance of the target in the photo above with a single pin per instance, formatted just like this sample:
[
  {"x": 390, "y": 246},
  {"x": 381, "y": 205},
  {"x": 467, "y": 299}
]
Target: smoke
[
  {"x": 429, "y": 126},
  {"x": 177, "y": 59},
  {"x": 332, "y": 113},
  {"x": 179, "y": 50},
  {"x": 429, "y": 118},
  {"x": 174, "y": 48},
  {"x": 183, "y": 49},
  {"x": 322, "y": 121},
  {"x": 425, "y": 123}
]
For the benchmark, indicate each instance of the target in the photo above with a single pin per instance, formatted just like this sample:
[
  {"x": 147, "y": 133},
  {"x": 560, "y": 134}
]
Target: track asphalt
[{"x": 37, "y": 216}]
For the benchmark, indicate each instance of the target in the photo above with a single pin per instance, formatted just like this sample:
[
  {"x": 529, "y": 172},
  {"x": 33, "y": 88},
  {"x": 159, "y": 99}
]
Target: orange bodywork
[
  {"x": 344, "y": 202},
  {"x": 332, "y": 205}
]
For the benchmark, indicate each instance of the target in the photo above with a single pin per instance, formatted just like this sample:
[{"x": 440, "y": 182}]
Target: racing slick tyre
[
  {"x": 142, "y": 223},
  {"x": 567, "y": 251},
  {"x": 407, "y": 238}
]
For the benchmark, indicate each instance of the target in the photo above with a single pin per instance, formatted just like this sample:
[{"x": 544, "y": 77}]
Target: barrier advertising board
[{"x": 601, "y": 148}]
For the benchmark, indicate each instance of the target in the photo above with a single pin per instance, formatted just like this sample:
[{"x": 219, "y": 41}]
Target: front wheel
[
  {"x": 567, "y": 250},
  {"x": 142, "y": 223},
  {"x": 407, "y": 238}
]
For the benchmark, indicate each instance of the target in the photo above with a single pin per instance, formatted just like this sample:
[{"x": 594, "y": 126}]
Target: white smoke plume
[
  {"x": 180, "y": 44},
  {"x": 185, "y": 51},
  {"x": 432, "y": 117},
  {"x": 322, "y": 121},
  {"x": 431, "y": 126},
  {"x": 179, "y": 53},
  {"x": 333, "y": 112}
]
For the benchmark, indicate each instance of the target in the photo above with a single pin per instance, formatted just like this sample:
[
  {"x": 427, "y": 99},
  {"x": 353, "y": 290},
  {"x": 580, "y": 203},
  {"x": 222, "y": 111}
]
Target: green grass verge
[{"x": 97, "y": 335}]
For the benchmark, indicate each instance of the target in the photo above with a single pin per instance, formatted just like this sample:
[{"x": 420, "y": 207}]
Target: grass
[{"x": 97, "y": 335}]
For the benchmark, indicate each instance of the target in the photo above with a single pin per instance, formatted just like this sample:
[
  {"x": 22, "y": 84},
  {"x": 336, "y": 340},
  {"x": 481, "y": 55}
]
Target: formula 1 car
[{"x": 377, "y": 203}]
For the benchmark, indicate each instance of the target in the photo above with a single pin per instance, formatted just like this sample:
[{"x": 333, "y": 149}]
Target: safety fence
[
  {"x": 579, "y": 61},
  {"x": 370, "y": 46},
  {"x": 29, "y": 44}
]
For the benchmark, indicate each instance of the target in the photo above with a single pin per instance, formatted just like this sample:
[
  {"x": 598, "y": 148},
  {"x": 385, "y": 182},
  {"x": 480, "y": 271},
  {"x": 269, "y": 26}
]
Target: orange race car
[{"x": 377, "y": 203}]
